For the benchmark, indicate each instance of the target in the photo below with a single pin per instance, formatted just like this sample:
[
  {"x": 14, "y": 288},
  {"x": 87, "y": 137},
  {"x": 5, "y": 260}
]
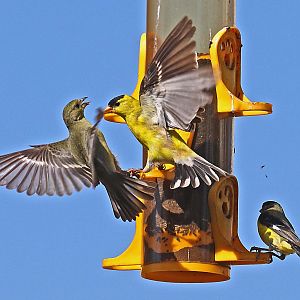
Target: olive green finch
[{"x": 82, "y": 159}]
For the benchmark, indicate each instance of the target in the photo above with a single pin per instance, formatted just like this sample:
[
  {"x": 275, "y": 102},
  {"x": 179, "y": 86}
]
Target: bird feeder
[{"x": 187, "y": 234}]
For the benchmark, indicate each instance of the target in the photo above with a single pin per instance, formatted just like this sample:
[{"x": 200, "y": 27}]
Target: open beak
[{"x": 84, "y": 104}]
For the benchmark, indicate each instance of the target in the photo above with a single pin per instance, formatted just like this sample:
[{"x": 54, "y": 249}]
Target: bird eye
[
  {"x": 77, "y": 106},
  {"x": 117, "y": 104}
]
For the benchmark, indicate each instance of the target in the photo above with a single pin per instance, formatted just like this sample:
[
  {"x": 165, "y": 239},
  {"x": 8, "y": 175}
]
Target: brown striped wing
[{"x": 45, "y": 169}]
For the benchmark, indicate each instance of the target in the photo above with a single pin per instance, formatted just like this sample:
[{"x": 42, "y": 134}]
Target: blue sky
[{"x": 54, "y": 51}]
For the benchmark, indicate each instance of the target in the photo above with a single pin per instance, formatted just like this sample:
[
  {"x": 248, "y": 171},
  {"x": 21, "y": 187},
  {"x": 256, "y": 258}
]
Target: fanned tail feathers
[
  {"x": 125, "y": 193},
  {"x": 190, "y": 173}
]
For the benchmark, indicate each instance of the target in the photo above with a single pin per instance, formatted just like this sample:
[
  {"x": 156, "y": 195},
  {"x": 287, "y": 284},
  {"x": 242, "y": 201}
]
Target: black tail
[
  {"x": 192, "y": 171},
  {"x": 125, "y": 192},
  {"x": 296, "y": 248}
]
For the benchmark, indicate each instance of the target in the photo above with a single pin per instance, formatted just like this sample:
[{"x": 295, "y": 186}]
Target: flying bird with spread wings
[{"x": 82, "y": 159}]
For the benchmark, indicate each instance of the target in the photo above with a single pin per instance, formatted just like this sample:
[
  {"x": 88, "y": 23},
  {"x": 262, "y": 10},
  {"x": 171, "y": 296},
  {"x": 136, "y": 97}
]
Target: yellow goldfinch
[
  {"x": 276, "y": 231},
  {"x": 83, "y": 158},
  {"x": 173, "y": 90}
]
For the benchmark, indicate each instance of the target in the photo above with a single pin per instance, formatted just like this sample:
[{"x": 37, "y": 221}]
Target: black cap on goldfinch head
[
  {"x": 271, "y": 205},
  {"x": 115, "y": 100}
]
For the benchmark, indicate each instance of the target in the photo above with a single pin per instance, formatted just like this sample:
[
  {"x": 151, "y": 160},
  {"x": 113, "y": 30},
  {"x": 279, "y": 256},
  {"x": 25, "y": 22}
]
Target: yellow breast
[{"x": 274, "y": 240}]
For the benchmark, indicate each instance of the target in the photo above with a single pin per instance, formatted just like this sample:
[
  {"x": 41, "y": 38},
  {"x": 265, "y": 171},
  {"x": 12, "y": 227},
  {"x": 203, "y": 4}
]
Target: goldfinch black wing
[
  {"x": 174, "y": 82},
  {"x": 44, "y": 169},
  {"x": 281, "y": 225}
]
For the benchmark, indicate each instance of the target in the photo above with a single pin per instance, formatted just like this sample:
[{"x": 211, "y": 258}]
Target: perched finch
[
  {"x": 276, "y": 231},
  {"x": 173, "y": 90}
]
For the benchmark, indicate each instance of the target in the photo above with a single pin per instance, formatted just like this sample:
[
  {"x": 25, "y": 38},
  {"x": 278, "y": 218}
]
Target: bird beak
[
  {"x": 84, "y": 104},
  {"x": 110, "y": 115},
  {"x": 108, "y": 110}
]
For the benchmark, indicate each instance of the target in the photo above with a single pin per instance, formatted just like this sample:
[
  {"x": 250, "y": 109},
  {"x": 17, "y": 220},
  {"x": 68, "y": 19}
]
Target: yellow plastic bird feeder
[{"x": 190, "y": 235}]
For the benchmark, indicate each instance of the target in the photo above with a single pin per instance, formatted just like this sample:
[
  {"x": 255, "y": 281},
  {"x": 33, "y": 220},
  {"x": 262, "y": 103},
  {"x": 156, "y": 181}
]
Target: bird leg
[
  {"x": 135, "y": 173},
  {"x": 149, "y": 166},
  {"x": 139, "y": 172},
  {"x": 161, "y": 167},
  {"x": 259, "y": 250},
  {"x": 281, "y": 257}
]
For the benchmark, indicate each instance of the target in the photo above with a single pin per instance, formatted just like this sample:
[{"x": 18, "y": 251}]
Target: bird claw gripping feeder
[{"x": 186, "y": 234}]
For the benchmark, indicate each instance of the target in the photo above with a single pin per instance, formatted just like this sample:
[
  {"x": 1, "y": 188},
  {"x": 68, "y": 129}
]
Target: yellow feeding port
[
  {"x": 223, "y": 205},
  {"x": 131, "y": 258},
  {"x": 225, "y": 55}
]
